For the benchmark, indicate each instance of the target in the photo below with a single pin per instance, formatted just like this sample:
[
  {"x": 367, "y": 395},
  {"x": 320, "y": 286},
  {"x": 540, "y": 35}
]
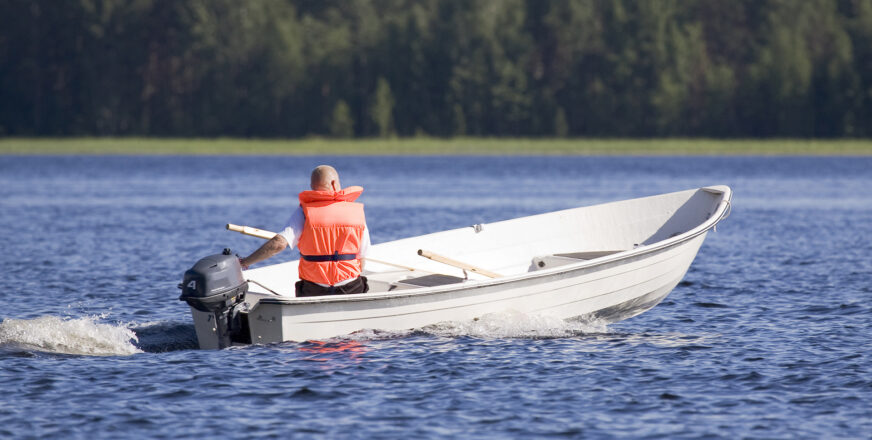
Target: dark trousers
[{"x": 308, "y": 288}]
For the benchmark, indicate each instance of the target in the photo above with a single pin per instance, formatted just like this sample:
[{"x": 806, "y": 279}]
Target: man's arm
[{"x": 270, "y": 248}]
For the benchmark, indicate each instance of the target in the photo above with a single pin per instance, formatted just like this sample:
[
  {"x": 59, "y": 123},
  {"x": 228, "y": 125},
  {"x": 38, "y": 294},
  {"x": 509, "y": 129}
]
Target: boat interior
[
  {"x": 413, "y": 279},
  {"x": 522, "y": 245}
]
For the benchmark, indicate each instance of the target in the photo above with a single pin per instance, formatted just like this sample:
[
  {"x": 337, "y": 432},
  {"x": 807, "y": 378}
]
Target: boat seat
[
  {"x": 427, "y": 281},
  {"x": 556, "y": 260},
  {"x": 378, "y": 285},
  {"x": 588, "y": 255}
]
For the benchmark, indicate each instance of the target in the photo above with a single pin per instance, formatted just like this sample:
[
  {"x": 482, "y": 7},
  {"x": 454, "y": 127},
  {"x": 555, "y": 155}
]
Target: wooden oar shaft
[
  {"x": 388, "y": 263},
  {"x": 457, "y": 264},
  {"x": 260, "y": 233},
  {"x": 248, "y": 230}
]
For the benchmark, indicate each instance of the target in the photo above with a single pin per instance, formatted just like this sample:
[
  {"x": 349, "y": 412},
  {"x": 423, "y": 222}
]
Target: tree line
[{"x": 282, "y": 68}]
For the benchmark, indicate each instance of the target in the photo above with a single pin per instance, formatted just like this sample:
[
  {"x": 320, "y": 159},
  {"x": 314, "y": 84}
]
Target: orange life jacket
[{"x": 332, "y": 235}]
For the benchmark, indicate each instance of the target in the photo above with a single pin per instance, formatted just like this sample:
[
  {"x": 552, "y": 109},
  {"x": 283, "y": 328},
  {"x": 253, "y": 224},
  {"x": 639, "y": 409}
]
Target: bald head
[{"x": 325, "y": 178}]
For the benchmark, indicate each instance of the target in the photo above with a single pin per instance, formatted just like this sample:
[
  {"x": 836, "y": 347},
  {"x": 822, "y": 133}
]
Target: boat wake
[
  {"x": 515, "y": 324},
  {"x": 76, "y": 336},
  {"x": 163, "y": 336},
  {"x": 503, "y": 325},
  {"x": 89, "y": 337}
]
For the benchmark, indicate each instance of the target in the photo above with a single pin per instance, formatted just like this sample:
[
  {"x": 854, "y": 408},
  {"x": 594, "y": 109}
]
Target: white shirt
[{"x": 294, "y": 228}]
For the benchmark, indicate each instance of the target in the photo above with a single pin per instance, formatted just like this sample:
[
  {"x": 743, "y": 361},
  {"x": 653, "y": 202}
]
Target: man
[{"x": 329, "y": 229}]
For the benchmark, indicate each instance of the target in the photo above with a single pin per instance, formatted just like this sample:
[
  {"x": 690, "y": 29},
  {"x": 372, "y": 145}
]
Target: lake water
[{"x": 766, "y": 337}]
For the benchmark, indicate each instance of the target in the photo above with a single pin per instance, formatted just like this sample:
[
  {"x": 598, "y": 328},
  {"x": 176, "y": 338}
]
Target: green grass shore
[{"x": 431, "y": 146}]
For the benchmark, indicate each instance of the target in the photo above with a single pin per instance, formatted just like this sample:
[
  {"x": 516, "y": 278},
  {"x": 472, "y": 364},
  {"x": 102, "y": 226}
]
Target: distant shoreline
[{"x": 434, "y": 146}]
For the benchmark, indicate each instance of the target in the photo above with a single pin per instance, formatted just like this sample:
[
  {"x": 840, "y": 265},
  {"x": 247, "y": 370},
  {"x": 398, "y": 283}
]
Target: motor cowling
[{"x": 214, "y": 283}]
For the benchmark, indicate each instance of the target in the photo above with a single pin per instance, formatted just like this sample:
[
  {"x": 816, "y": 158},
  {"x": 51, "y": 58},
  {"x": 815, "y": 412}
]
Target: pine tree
[
  {"x": 342, "y": 124},
  {"x": 382, "y": 109},
  {"x": 561, "y": 127}
]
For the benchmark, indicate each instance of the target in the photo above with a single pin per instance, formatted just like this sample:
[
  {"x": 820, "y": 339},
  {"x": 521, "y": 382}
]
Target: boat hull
[{"x": 609, "y": 292}]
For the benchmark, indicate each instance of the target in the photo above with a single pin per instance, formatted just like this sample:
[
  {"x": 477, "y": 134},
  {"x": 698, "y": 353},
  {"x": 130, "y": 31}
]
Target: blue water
[{"x": 767, "y": 336}]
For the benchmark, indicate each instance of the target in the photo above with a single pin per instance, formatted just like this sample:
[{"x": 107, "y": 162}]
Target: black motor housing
[{"x": 214, "y": 283}]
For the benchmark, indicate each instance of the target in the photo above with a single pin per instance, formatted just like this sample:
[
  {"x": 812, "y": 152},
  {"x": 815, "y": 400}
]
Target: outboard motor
[{"x": 215, "y": 285}]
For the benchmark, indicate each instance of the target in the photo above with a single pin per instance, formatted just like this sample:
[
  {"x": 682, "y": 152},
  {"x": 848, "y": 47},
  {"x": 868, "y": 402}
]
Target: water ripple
[{"x": 766, "y": 336}]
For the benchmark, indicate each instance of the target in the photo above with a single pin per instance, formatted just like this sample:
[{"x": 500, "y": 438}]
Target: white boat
[{"x": 610, "y": 262}]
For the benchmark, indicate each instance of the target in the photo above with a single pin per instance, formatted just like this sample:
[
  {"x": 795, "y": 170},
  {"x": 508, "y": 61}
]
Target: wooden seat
[
  {"x": 556, "y": 260},
  {"x": 429, "y": 281},
  {"x": 587, "y": 255}
]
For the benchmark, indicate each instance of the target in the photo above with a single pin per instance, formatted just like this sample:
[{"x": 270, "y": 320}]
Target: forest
[{"x": 441, "y": 68}]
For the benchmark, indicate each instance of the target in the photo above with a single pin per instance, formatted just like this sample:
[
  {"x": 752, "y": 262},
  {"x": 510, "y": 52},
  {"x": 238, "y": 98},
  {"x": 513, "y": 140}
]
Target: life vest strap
[{"x": 326, "y": 258}]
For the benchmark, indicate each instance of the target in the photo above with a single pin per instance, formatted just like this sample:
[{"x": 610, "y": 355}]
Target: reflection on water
[{"x": 351, "y": 350}]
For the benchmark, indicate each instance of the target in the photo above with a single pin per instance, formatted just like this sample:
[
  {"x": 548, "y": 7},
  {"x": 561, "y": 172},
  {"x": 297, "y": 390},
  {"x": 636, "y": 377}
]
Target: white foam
[
  {"x": 83, "y": 336},
  {"x": 515, "y": 324},
  {"x": 508, "y": 324}
]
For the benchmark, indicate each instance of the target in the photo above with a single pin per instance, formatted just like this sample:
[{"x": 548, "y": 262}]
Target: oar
[
  {"x": 457, "y": 264},
  {"x": 266, "y": 235},
  {"x": 248, "y": 230}
]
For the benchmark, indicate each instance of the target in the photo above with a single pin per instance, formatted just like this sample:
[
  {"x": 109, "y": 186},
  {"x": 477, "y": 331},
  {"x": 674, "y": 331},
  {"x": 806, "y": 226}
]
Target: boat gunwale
[{"x": 719, "y": 214}]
